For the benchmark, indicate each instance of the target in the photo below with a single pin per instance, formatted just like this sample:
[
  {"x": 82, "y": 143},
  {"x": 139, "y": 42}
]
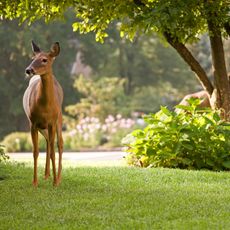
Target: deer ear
[
  {"x": 54, "y": 50},
  {"x": 35, "y": 48}
]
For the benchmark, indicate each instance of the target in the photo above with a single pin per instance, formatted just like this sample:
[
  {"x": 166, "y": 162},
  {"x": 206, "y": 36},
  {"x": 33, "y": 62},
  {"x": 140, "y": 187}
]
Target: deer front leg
[
  {"x": 34, "y": 136},
  {"x": 44, "y": 133},
  {"x": 52, "y": 131},
  {"x": 60, "y": 148},
  {"x": 60, "y": 151}
]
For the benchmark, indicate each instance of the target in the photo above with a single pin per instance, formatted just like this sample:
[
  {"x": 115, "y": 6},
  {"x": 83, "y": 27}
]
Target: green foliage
[
  {"x": 148, "y": 99},
  {"x": 101, "y": 97},
  {"x": 16, "y": 142},
  {"x": 90, "y": 132},
  {"x": 191, "y": 139},
  {"x": 142, "y": 63},
  {"x": 3, "y": 156},
  {"x": 184, "y": 20},
  {"x": 21, "y": 142}
]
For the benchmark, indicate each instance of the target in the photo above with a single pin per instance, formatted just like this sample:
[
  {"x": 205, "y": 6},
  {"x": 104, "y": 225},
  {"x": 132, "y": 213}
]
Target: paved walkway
[{"x": 73, "y": 158}]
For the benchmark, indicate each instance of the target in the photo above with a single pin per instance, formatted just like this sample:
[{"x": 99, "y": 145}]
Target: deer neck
[{"x": 46, "y": 89}]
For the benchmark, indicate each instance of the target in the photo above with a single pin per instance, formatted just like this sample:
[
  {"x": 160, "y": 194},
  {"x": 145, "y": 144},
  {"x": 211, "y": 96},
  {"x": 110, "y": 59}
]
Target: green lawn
[{"x": 115, "y": 198}]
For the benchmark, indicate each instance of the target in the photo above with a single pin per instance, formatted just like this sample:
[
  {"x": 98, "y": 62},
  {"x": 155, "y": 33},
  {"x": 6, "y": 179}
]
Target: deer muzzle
[{"x": 29, "y": 72}]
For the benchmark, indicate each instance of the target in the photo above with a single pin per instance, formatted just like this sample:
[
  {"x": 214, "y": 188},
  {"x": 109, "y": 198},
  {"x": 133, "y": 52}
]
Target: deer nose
[{"x": 30, "y": 71}]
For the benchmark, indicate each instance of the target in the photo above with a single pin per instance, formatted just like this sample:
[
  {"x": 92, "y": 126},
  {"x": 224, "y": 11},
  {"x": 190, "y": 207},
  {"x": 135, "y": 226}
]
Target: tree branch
[{"x": 191, "y": 61}]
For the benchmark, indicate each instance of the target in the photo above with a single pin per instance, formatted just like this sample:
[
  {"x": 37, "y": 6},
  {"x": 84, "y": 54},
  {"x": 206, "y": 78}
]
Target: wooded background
[{"x": 153, "y": 73}]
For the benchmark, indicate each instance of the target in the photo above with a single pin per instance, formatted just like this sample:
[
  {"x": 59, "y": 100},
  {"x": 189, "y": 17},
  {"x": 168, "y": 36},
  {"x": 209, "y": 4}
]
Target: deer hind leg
[
  {"x": 44, "y": 132},
  {"x": 60, "y": 148},
  {"x": 51, "y": 132},
  {"x": 34, "y": 136}
]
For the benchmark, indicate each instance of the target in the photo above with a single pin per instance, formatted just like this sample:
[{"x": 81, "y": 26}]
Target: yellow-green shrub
[
  {"x": 192, "y": 139},
  {"x": 21, "y": 142}
]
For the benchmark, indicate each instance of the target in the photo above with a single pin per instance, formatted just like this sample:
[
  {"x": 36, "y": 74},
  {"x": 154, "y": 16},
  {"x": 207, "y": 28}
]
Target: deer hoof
[
  {"x": 56, "y": 183},
  {"x": 46, "y": 176},
  {"x": 35, "y": 184}
]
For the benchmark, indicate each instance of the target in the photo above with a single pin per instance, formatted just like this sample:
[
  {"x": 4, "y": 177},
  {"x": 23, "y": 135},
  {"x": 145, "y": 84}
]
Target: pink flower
[
  {"x": 72, "y": 132},
  {"x": 113, "y": 130}
]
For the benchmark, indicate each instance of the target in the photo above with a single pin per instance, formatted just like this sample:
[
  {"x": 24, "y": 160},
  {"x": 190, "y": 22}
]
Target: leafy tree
[
  {"x": 177, "y": 21},
  {"x": 201, "y": 50},
  {"x": 144, "y": 62},
  {"x": 101, "y": 97},
  {"x": 149, "y": 99}
]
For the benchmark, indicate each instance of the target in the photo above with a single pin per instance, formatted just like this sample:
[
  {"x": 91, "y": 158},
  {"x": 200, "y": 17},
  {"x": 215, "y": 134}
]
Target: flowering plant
[{"x": 91, "y": 132}]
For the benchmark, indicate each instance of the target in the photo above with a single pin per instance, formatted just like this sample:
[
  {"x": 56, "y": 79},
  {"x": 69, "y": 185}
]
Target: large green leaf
[
  {"x": 187, "y": 145},
  {"x": 226, "y": 164},
  {"x": 184, "y": 107},
  {"x": 166, "y": 111}
]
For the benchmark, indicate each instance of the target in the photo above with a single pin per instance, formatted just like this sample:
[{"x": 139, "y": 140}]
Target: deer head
[{"x": 42, "y": 61}]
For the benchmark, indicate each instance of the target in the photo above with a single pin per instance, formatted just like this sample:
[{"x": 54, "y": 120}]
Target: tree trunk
[
  {"x": 191, "y": 61},
  {"x": 220, "y": 93},
  {"x": 221, "y": 80}
]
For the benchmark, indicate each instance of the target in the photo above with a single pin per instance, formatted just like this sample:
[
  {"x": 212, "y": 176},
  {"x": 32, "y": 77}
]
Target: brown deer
[
  {"x": 202, "y": 95},
  {"x": 42, "y": 102}
]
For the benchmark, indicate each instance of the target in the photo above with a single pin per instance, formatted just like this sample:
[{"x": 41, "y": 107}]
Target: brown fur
[
  {"x": 202, "y": 95},
  {"x": 42, "y": 103}
]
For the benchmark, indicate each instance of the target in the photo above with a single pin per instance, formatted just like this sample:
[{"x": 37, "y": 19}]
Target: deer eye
[{"x": 44, "y": 60}]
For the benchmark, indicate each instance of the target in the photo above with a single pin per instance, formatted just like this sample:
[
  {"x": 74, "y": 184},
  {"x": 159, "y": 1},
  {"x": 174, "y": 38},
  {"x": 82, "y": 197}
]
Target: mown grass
[{"x": 115, "y": 198}]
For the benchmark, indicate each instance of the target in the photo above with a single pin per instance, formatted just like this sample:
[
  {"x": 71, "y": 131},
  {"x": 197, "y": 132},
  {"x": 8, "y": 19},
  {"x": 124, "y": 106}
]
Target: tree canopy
[
  {"x": 177, "y": 21},
  {"x": 184, "y": 20},
  {"x": 145, "y": 62}
]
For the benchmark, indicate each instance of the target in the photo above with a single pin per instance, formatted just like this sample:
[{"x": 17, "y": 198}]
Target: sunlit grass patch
[{"x": 114, "y": 198}]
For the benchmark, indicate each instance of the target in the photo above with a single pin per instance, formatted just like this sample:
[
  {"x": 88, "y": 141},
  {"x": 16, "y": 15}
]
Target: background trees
[
  {"x": 15, "y": 56},
  {"x": 153, "y": 73},
  {"x": 178, "y": 22}
]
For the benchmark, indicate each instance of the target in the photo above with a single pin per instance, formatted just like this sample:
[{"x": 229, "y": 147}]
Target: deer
[
  {"x": 42, "y": 102},
  {"x": 205, "y": 101}
]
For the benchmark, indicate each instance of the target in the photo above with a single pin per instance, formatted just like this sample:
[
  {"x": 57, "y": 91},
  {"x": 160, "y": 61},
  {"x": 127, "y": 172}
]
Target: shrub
[
  {"x": 191, "y": 139},
  {"x": 90, "y": 132},
  {"x": 116, "y": 128},
  {"x": 100, "y": 97},
  {"x": 3, "y": 156},
  {"x": 21, "y": 142}
]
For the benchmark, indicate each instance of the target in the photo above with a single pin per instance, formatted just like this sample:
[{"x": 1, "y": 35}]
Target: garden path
[{"x": 77, "y": 158}]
